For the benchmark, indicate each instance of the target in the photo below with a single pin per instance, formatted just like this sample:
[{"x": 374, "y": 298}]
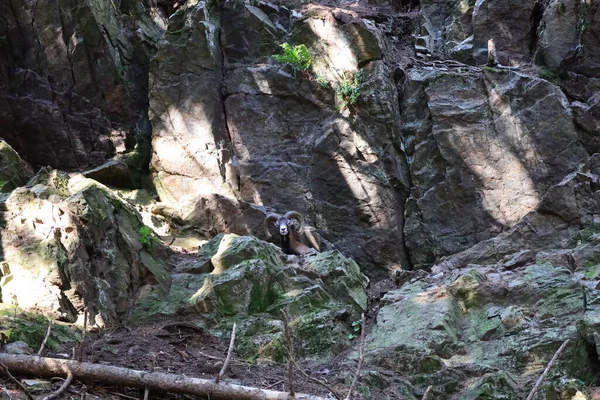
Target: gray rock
[
  {"x": 112, "y": 173},
  {"x": 72, "y": 80},
  {"x": 77, "y": 246},
  {"x": 474, "y": 142},
  {"x": 18, "y": 347},
  {"x": 13, "y": 171},
  {"x": 513, "y": 36}
]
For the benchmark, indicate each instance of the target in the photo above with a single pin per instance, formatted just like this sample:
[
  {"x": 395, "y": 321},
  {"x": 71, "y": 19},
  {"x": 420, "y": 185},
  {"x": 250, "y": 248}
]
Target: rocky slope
[{"x": 487, "y": 176}]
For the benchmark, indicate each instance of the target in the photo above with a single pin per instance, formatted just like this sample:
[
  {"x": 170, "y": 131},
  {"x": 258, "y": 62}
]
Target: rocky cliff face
[{"x": 486, "y": 175}]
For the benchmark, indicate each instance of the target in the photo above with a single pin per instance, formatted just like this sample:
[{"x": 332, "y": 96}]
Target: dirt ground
[{"x": 178, "y": 347}]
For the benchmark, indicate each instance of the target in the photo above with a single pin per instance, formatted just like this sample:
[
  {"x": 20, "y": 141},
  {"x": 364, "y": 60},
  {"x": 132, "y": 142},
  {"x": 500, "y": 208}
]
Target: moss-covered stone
[
  {"x": 494, "y": 386},
  {"x": 251, "y": 283},
  {"x": 464, "y": 289},
  {"x": 30, "y": 328},
  {"x": 13, "y": 171}
]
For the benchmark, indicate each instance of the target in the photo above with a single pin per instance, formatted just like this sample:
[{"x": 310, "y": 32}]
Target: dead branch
[
  {"x": 146, "y": 393},
  {"x": 361, "y": 357},
  {"x": 78, "y": 354},
  {"x": 62, "y": 387},
  {"x": 5, "y": 369},
  {"x": 51, "y": 367},
  {"x": 45, "y": 338},
  {"x": 6, "y": 393},
  {"x": 427, "y": 392},
  {"x": 317, "y": 381},
  {"x": 550, "y": 364},
  {"x": 290, "y": 349},
  {"x": 228, "y": 358}
]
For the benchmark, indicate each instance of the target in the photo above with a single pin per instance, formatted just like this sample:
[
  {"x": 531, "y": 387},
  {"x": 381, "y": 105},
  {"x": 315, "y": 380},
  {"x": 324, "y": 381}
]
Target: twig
[
  {"x": 6, "y": 392},
  {"x": 274, "y": 384},
  {"x": 550, "y": 364},
  {"x": 317, "y": 381},
  {"x": 290, "y": 348},
  {"x": 361, "y": 357},
  {"x": 45, "y": 338},
  {"x": 83, "y": 343},
  {"x": 426, "y": 394},
  {"x": 124, "y": 396},
  {"x": 15, "y": 380},
  {"x": 62, "y": 387},
  {"x": 228, "y": 358},
  {"x": 146, "y": 393}
]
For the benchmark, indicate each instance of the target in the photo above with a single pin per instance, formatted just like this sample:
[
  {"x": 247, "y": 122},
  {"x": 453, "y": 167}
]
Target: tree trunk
[{"x": 49, "y": 367}]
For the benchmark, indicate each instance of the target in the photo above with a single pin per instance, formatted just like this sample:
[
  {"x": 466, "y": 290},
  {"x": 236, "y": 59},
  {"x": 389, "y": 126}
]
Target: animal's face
[{"x": 284, "y": 226}]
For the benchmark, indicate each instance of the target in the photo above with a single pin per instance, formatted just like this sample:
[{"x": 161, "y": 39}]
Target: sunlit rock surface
[
  {"x": 70, "y": 243},
  {"x": 245, "y": 280}
]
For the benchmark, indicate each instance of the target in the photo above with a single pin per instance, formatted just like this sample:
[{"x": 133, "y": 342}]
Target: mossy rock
[
  {"x": 341, "y": 275},
  {"x": 13, "y": 171},
  {"x": 30, "y": 328},
  {"x": 494, "y": 386},
  {"x": 464, "y": 288}
]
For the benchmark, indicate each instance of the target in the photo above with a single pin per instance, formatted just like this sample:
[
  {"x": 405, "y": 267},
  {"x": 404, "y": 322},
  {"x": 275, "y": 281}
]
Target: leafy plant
[
  {"x": 298, "y": 57},
  {"x": 322, "y": 80},
  {"x": 147, "y": 237},
  {"x": 348, "y": 92},
  {"x": 550, "y": 76},
  {"x": 356, "y": 328}
]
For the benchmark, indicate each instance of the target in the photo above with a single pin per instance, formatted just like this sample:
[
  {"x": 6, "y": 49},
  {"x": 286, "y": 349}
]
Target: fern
[{"x": 298, "y": 57}]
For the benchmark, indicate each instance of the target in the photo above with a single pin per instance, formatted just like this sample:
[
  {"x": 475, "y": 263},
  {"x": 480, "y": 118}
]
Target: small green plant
[
  {"x": 356, "y": 328},
  {"x": 550, "y": 76},
  {"x": 322, "y": 81},
  {"x": 298, "y": 57},
  {"x": 147, "y": 237},
  {"x": 348, "y": 91}
]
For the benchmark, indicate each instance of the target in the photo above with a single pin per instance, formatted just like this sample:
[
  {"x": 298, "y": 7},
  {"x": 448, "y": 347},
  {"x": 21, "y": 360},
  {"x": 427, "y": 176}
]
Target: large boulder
[
  {"x": 483, "y": 147},
  {"x": 251, "y": 282},
  {"x": 73, "y": 82},
  {"x": 69, "y": 243},
  {"x": 514, "y": 36},
  {"x": 13, "y": 171},
  {"x": 189, "y": 139},
  {"x": 474, "y": 333}
]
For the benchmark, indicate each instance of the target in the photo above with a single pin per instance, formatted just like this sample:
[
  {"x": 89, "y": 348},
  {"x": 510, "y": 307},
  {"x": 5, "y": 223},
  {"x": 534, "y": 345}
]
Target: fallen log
[{"x": 83, "y": 371}]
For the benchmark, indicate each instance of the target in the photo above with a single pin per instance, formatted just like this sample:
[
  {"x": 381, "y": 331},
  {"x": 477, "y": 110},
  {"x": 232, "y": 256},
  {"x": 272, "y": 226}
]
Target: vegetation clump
[
  {"x": 298, "y": 57},
  {"x": 147, "y": 237},
  {"x": 348, "y": 92}
]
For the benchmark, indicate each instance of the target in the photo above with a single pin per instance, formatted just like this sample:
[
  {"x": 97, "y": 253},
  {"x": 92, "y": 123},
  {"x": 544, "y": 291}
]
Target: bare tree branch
[
  {"x": 550, "y": 364},
  {"x": 62, "y": 387},
  {"x": 290, "y": 348},
  {"x": 45, "y": 338},
  {"x": 44, "y": 366},
  {"x": 361, "y": 357},
  {"x": 4, "y": 368},
  {"x": 228, "y": 358},
  {"x": 6, "y": 393},
  {"x": 427, "y": 392}
]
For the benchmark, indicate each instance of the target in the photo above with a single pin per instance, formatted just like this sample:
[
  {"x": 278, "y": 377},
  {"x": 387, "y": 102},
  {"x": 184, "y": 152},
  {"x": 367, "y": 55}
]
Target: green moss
[
  {"x": 494, "y": 386},
  {"x": 464, "y": 289},
  {"x": 592, "y": 271},
  {"x": 17, "y": 324},
  {"x": 430, "y": 364}
]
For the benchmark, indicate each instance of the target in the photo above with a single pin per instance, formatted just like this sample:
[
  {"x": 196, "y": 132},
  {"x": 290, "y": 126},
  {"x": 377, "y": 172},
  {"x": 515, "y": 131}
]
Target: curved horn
[
  {"x": 269, "y": 218},
  {"x": 297, "y": 216}
]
